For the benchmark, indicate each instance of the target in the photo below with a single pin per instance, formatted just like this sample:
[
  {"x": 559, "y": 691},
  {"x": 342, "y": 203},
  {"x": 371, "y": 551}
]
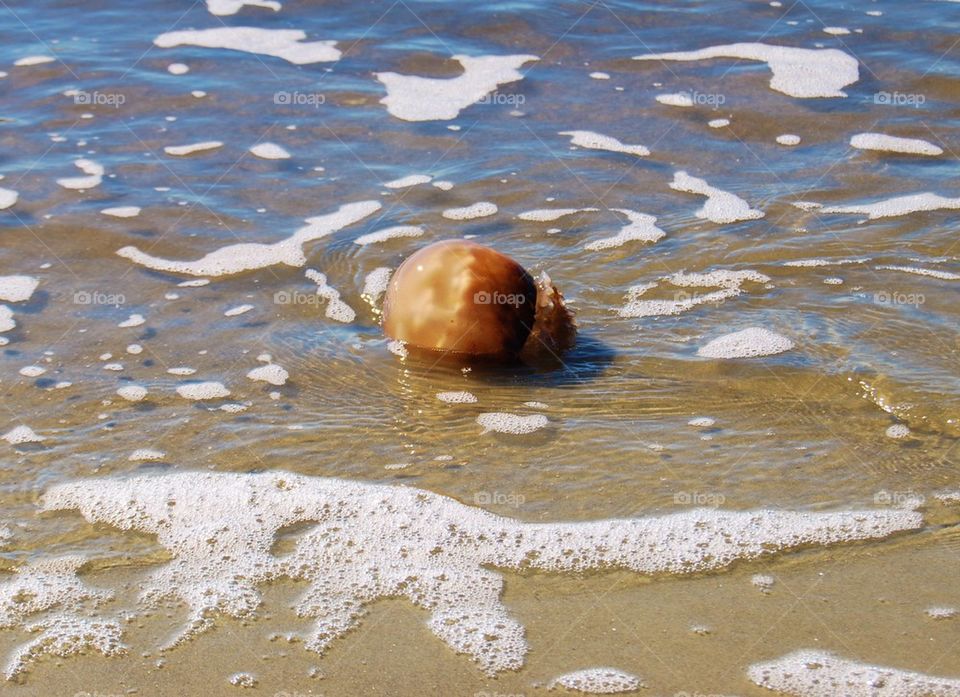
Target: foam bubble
[
  {"x": 182, "y": 371},
  {"x": 457, "y": 397},
  {"x": 182, "y": 150},
  {"x": 375, "y": 284},
  {"x": 598, "y": 141},
  {"x": 93, "y": 170},
  {"x": 133, "y": 320},
  {"x": 916, "y": 270},
  {"x": 812, "y": 673},
  {"x": 336, "y": 308},
  {"x": 443, "y": 185},
  {"x": 748, "y": 343},
  {"x": 16, "y": 289},
  {"x": 178, "y": 68},
  {"x": 133, "y": 393},
  {"x": 642, "y": 227},
  {"x": 898, "y": 431},
  {"x": 600, "y": 76},
  {"x": 798, "y": 72},
  {"x": 414, "y": 98},
  {"x": 203, "y": 390},
  {"x": 238, "y": 310},
  {"x": 898, "y": 205},
  {"x": 231, "y": 7},
  {"x": 450, "y": 551},
  {"x": 8, "y": 197},
  {"x": 764, "y": 582},
  {"x": 718, "y": 123},
  {"x": 727, "y": 283},
  {"x": 681, "y": 99},
  {"x": 701, "y": 422},
  {"x": 32, "y": 371},
  {"x": 407, "y": 181},
  {"x": 271, "y": 373},
  {"x": 721, "y": 206},
  {"x": 788, "y": 139},
  {"x": 23, "y": 434},
  {"x": 270, "y": 151},
  {"x": 33, "y": 60},
  {"x": 481, "y": 209},
  {"x": 389, "y": 234},
  {"x": 122, "y": 211},
  {"x": 146, "y": 455},
  {"x": 941, "y": 613},
  {"x": 545, "y": 215},
  {"x": 287, "y": 44},
  {"x": 597, "y": 681},
  {"x": 237, "y": 258},
  {"x": 503, "y": 422},
  {"x": 885, "y": 143}
]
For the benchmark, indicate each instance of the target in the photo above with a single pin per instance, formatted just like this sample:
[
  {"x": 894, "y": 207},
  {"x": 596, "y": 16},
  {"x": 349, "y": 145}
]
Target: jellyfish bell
[{"x": 460, "y": 298}]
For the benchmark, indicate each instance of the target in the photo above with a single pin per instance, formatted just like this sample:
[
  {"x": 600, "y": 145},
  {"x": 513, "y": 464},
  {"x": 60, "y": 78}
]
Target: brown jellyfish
[{"x": 462, "y": 298}]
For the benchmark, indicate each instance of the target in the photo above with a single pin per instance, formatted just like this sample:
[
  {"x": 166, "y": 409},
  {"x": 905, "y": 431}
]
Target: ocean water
[{"x": 217, "y": 473}]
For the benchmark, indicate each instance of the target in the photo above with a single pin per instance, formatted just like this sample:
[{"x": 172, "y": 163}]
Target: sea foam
[{"x": 287, "y": 44}]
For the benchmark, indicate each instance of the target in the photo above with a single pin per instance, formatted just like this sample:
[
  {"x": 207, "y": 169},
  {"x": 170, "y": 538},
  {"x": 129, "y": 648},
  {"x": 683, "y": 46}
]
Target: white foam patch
[
  {"x": 122, "y": 211},
  {"x": 798, "y": 72},
  {"x": 918, "y": 271},
  {"x": 33, "y": 60},
  {"x": 597, "y": 681},
  {"x": 133, "y": 320},
  {"x": 443, "y": 184},
  {"x": 718, "y": 123},
  {"x": 600, "y": 75},
  {"x": 182, "y": 371},
  {"x": 270, "y": 151},
  {"x": 546, "y": 215},
  {"x": 701, "y": 422},
  {"x": 898, "y": 205},
  {"x": 6, "y": 321},
  {"x": 336, "y": 308},
  {"x": 885, "y": 143},
  {"x": 836, "y": 31},
  {"x": 178, "y": 68},
  {"x": 270, "y": 373},
  {"x": 219, "y": 529},
  {"x": 53, "y": 585},
  {"x": 146, "y": 455},
  {"x": 941, "y": 613},
  {"x": 22, "y": 434},
  {"x": 32, "y": 371},
  {"x": 788, "y": 139},
  {"x": 133, "y": 393},
  {"x": 409, "y": 180},
  {"x": 93, "y": 170},
  {"x": 642, "y": 227},
  {"x": 237, "y": 258},
  {"x": 748, "y": 343},
  {"x": 727, "y": 283},
  {"x": 823, "y": 262},
  {"x": 8, "y": 197},
  {"x": 389, "y": 234},
  {"x": 812, "y": 673},
  {"x": 238, "y": 310},
  {"x": 414, "y": 98},
  {"x": 721, "y": 206},
  {"x": 457, "y": 397},
  {"x": 203, "y": 390},
  {"x": 598, "y": 141},
  {"x": 189, "y": 149},
  {"x": 223, "y": 8},
  {"x": 898, "y": 431},
  {"x": 287, "y": 44},
  {"x": 503, "y": 422},
  {"x": 375, "y": 284},
  {"x": 481, "y": 209},
  {"x": 16, "y": 289},
  {"x": 681, "y": 99}
]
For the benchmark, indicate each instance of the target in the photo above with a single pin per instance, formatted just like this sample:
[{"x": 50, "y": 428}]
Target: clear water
[{"x": 803, "y": 430}]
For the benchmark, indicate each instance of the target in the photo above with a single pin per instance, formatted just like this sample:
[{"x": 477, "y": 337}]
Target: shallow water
[{"x": 801, "y": 430}]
